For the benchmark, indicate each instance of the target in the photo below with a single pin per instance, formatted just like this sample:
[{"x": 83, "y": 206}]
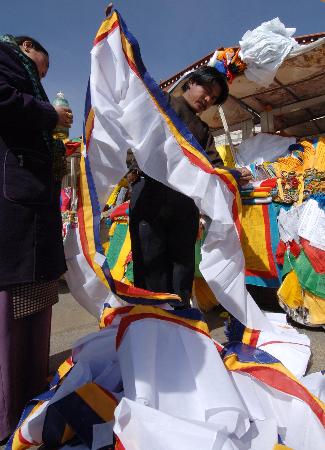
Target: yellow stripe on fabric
[
  {"x": 139, "y": 309},
  {"x": 320, "y": 155},
  {"x": 67, "y": 434},
  {"x": 64, "y": 369},
  {"x": 114, "y": 194},
  {"x": 106, "y": 25},
  {"x": 98, "y": 400},
  {"x": 118, "y": 270},
  {"x": 253, "y": 238},
  {"x": 281, "y": 447},
  {"x": 127, "y": 48},
  {"x": 88, "y": 220},
  {"x": 247, "y": 336},
  {"x": 89, "y": 124},
  {"x": 113, "y": 312},
  {"x": 107, "y": 312},
  {"x": 17, "y": 444},
  {"x": 232, "y": 363}
]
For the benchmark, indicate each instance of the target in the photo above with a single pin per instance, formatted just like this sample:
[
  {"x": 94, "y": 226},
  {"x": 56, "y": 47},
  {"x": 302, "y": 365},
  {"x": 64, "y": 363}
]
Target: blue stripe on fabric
[
  {"x": 45, "y": 396},
  {"x": 262, "y": 282},
  {"x": 275, "y": 237},
  {"x": 96, "y": 213},
  {"x": 191, "y": 314},
  {"x": 147, "y": 301},
  {"x": 95, "y": 206},
  {"x": 248, "y": 354},
  {"x": 87, "y": 110}
]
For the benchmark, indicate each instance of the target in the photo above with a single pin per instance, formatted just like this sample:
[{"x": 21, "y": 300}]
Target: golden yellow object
[
  {"x": 319, "y": 163},
  {"x": 226, "y": 156},
  {"x": 290, "y": 291},
  {"x": 204, "y": 296},
  {"x": 316, "y": 308}
]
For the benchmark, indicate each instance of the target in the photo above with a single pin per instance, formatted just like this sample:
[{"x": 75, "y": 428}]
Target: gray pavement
[{"x": 70, "y": 322}]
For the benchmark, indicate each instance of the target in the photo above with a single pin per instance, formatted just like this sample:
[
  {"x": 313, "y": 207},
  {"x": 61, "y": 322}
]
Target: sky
[{"x": 172, "y": 33}]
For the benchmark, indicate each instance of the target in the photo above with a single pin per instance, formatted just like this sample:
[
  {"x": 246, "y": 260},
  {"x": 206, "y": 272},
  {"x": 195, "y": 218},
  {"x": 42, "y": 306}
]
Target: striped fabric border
[
  {"x": 88, "y": 208},
  {"x": 261, "y": 365}
]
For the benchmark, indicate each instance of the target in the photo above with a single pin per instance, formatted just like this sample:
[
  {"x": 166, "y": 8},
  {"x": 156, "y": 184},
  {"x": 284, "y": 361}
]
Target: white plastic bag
[{"x": 265, "y": 48}]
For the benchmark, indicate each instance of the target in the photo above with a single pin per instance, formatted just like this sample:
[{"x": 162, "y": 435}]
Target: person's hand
[
  {"x": 65, "y": 116},
  {"x": 245, "y": 176}
]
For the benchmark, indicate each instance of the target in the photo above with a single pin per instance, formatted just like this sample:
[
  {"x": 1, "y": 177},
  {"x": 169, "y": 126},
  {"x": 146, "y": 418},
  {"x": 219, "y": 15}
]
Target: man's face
[
  {"x": 40, "y": 59},
  {"x": 200, "y": 98}
]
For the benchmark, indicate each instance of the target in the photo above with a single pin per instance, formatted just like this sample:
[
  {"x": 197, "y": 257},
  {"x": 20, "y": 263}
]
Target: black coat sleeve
[{"x": 18, "y": 105}]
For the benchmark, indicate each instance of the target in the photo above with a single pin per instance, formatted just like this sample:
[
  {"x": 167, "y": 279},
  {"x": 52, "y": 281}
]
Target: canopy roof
[{"x": 294, "y": 103}]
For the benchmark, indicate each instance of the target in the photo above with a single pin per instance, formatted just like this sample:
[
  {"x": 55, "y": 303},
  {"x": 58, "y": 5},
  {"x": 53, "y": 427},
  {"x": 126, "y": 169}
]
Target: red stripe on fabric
[
  {"x": 231, "y": 186},
  {"x": 281, "y": 342},
  {"x": 120, "y": 210},
  {"x": 126, "y": 289},
  {"x": 283, "y": 383},
  {"x": 197, "y": 161},
  {"x": 235, "y": 215},
  {"x": 235, "y": 212},
  {"x": 82, "y": 230},
  {"x": 131, "y": 64},
  {"x": 280, "y": 252},
  {"x": 123, "y": 310},
  {"x": 255, "y": 334},
  {"x": 126, "y": 321},
  {"x": 119, "y": 445},
  {"x": 103, "y": 36},
  {"x": 315, "y": 255},
  {"x": 260, "y": 273},
  {"x": 23, "y": 440},
  {"x": 207, "y": 168},
  {"x": 218, "y": 346}
]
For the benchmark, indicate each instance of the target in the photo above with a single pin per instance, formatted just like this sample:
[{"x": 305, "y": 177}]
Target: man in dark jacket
[
  {"x": 31, "y": 250},
  {"x": 163, "y": 222}
]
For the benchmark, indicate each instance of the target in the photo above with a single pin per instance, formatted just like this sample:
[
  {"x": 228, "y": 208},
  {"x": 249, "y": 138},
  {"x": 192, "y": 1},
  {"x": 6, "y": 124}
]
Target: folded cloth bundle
[{"x": 255, "y": 195}]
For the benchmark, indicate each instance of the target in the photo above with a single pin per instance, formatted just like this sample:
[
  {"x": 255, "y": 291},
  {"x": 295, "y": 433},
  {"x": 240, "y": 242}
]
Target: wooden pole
[
  {"x": 108, "y": 10},
  {"x": 227, "y": 132}
]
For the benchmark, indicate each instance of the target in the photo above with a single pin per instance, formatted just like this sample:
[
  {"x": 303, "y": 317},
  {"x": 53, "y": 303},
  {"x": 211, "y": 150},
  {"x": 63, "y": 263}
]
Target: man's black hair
[
  {"x": 35, "y": 44},
  {"x": 207, "y": 75}
]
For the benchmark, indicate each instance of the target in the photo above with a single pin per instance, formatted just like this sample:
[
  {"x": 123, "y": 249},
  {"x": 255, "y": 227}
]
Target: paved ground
[{"x": 70, "y": 322}]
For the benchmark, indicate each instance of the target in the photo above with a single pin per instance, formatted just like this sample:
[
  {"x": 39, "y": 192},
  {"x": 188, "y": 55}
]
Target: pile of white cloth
[{"x": 265, "y": 48}]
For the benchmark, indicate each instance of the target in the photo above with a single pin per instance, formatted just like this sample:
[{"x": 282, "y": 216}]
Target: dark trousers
[
  {"x": 163, "y": 227},
  {"x": 24, "y": 356}
]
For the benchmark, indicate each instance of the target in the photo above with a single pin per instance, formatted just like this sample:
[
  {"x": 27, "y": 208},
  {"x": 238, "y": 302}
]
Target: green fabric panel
[
  {"x": 287, "y": 267},
  {"x": 309, "y": 279},
  {"x": 198, "y": 256},
  {"x": 129, "y": 272},
  {"x": 116, "y": 243}
]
